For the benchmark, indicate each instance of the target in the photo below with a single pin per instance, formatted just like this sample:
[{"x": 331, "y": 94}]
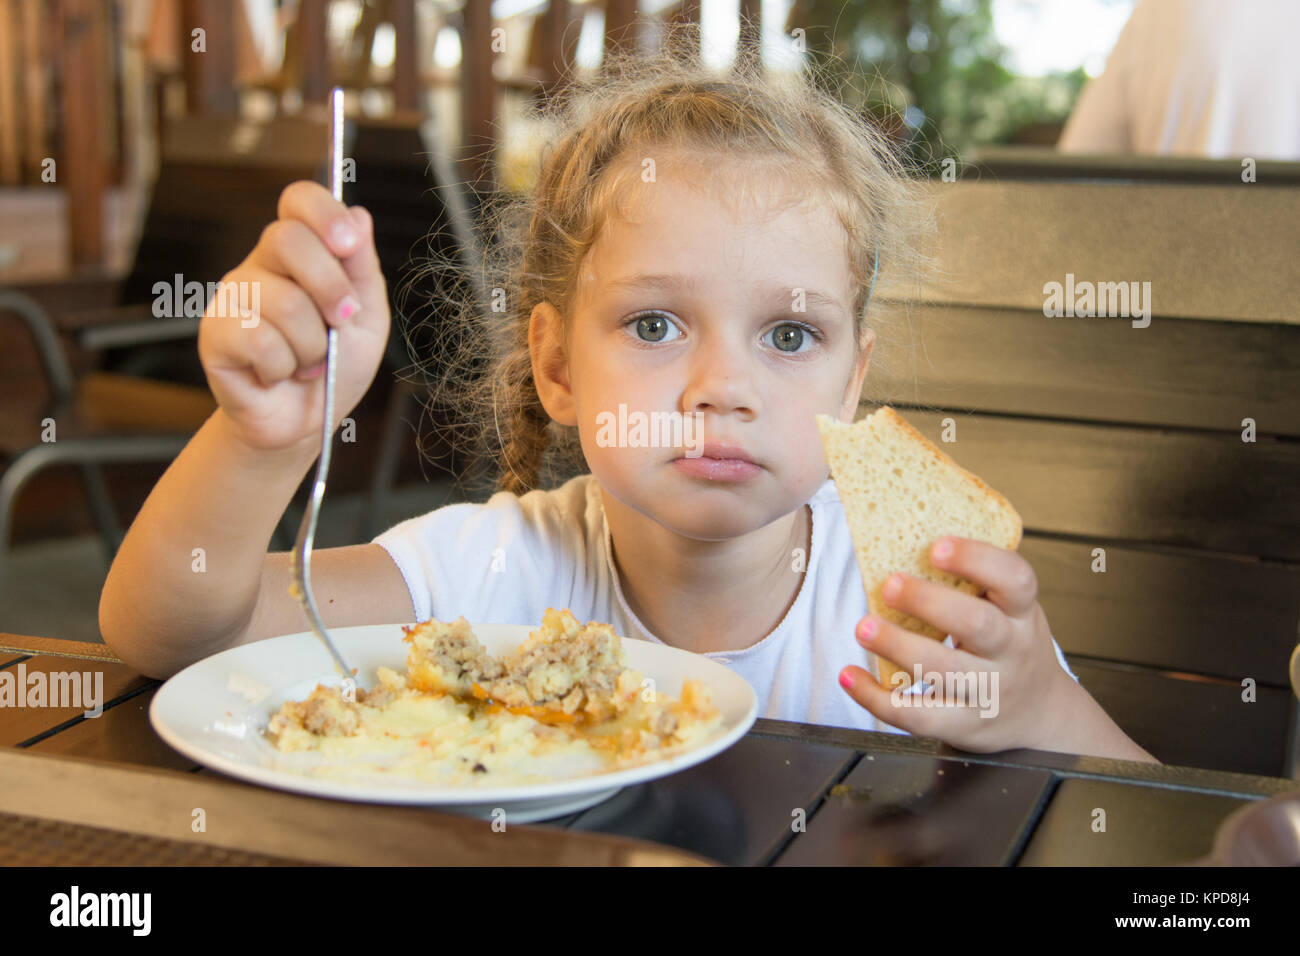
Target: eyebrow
[{"x": 672, "y": 281}]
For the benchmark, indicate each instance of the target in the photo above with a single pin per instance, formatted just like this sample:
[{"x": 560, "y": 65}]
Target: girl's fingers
[
  {"x": 1008, "y": 578},
  {"x": 290, "y": 249},
  {"x": 312, "y": 204},
  {"x": 972, "y": 621},
  {"x": 365, "y": 274},
  {"x": 866, "y": 690},
  {"x": 907, "y": 649},
  {"x": 286, "y": 318},
  {"x": 348, "y": 235},
  {"x": 268, "y": 354},
  {"x": 295, "y": 315}
]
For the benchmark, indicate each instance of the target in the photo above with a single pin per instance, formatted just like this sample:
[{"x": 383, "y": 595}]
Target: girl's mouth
[{"x": 717, "y": 469}]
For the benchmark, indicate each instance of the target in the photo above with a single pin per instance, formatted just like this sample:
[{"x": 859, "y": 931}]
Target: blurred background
[
  {"x": 118, "y": 119},
  {"x": 144, "y": 143}
]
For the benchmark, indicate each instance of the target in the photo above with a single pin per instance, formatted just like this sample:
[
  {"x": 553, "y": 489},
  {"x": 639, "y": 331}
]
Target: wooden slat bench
[{"x": 1127, "y": 439}]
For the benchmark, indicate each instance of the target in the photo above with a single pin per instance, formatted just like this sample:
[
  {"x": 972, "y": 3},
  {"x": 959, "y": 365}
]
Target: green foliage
[{"x": 930, "y": 72}]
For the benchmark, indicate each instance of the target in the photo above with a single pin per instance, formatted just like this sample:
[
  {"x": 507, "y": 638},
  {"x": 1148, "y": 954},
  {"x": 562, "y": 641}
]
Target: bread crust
[{"x": 909, "y": 431}]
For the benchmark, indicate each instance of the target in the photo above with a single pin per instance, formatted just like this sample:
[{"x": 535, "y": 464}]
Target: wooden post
[
  {"x": 313, "y": 49},
  {"x": 750, "y": 47},
  {"x": 556, "y": 46},
  {"x": 688, "y": 11},
  {"x": 81, "y": 166},
  {"x": 406, "y": 70},
  {"x": 34, "y": 59},
  {"x": 621, "y": 27},
  {"x": 478, "y": 94},
  {"x": 209, "y": 72},
  {"x": 10, "y": 164}
]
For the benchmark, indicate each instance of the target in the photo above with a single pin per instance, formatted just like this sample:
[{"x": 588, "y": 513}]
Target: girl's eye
[
  {"x": 652, "y": 327},
  {"x": 790, "y": 335}
]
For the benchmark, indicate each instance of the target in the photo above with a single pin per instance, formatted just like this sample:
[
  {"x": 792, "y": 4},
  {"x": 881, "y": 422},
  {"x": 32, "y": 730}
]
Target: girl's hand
[
  {"x": 1003, "y": 633},
  {"x": 314, "y": 268}
]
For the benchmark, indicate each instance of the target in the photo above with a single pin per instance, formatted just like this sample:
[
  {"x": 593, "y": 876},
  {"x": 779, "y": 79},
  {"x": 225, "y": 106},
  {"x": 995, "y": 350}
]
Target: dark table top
[{"x": 109, "y": 790}]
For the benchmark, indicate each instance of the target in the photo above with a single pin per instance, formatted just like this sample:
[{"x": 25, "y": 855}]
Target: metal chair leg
[
  {"x": 78, "y": 451},
  {"x": 101, "y": 507},
  {"x": 386, "y": 463}
]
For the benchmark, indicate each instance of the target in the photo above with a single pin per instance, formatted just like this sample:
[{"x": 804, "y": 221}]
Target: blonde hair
[{"x": 483, "y": 379}]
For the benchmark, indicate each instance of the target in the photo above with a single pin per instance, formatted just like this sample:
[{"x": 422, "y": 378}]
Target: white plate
[{"x": 215, "y": 712}]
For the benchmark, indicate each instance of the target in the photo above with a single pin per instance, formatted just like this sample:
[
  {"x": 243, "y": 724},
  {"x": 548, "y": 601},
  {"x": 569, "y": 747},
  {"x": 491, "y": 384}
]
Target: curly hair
[{"x": 481, "y": 375}]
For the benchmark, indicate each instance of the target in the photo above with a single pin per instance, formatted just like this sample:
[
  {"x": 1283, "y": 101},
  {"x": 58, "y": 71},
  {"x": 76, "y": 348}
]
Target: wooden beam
[
  {"x": 406, "y": 83},
  {"x": 35, "y": 86},
  {"x": 557, "y": 46},
  {"x": 478, "y": 93},
  {"x": 688, "y": 11},
  {"x": 313, "y": 49},
  {"x": 81, "y": 167},
  {"x": 210, "y": 71},
  {"x": 10, "y": 138},
  {"x": 622, "y": 32},
  {"x": 750, "y": 47}
]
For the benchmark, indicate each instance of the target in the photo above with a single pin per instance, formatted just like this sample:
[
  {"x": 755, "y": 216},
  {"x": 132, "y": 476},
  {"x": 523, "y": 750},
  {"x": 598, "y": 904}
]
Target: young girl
[{"x": 697, "y": 245}]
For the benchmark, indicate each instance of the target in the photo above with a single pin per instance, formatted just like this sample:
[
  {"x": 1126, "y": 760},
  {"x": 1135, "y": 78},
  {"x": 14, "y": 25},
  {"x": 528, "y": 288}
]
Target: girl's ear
[
  {"x": 550, "y": 363},
  {"x": 853, "y": 391}
]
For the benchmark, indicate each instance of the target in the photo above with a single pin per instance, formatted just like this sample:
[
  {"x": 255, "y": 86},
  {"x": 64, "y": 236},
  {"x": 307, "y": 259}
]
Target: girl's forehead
[
  {"x": 743, "y": 186},
  {"x": 650, "y": 212}
]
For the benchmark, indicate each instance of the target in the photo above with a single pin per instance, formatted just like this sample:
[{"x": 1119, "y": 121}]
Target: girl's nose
[{"x": 721, "y": 379}]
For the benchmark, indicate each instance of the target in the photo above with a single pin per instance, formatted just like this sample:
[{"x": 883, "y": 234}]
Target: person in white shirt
[
  {"x": 1208, "y": 78},
  {"x": 508, "y": 559},
  {"x": 695, "y": 245}
]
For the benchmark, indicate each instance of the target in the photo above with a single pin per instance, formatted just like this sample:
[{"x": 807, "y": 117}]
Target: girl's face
[{"x": 738, "y": 318}]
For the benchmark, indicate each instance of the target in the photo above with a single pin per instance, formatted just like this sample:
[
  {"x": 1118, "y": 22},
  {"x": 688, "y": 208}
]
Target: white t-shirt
[
  {"x": 507, "y": 560},
  {"x": 1198, "y": 78}
]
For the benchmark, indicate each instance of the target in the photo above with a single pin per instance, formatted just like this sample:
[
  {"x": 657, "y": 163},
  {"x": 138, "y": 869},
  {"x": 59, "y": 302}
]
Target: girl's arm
[
  {"x": 1083, "y": 727},
  {"x": 193, "y": 576}
]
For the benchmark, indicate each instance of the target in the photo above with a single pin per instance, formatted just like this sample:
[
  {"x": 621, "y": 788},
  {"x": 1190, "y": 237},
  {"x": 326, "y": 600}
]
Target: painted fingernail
[
  {"x": 867, "y": 630},
  {"x": 846, "y": 678},
  {"x": 943, "y": 548},
  {"x": 893, "y": 584},
  {"x": 344, "y": 235},
  {"x": 348, "y": 308}
]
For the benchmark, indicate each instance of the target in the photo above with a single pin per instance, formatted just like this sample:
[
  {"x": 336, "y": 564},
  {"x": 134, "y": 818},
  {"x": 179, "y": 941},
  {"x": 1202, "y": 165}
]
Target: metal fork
[{"x": 307, "y": 530}]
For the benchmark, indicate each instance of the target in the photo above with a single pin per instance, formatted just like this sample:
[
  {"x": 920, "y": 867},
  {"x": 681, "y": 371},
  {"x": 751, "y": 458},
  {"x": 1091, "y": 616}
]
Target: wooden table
[{"x": 107, "y": 790}]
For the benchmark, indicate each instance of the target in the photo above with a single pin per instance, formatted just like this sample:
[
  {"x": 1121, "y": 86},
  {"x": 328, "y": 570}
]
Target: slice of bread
[{"x": 900, "y": 492}]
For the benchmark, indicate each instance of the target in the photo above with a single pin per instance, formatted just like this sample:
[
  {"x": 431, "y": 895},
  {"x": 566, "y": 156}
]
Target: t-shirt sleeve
[
  {"x": 501, "y": 561},
  {"x": 1103, "y": 117},
  {"x": 1060, "y": 656}
]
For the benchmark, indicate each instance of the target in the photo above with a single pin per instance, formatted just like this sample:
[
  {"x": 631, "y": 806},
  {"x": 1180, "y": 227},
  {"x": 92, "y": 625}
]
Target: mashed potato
[{"x": 563, "y": 704}]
